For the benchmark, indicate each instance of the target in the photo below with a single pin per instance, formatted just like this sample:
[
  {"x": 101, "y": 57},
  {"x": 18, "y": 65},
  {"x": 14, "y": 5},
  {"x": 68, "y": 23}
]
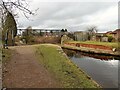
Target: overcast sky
[{"x": 75, "y": 16}]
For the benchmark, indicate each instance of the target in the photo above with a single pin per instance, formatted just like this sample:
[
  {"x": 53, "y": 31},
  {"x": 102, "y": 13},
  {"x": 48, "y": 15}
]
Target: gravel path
[{"x": 25, "y": 71}]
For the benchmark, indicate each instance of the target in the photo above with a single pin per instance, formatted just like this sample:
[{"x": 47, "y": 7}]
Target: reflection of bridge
[{"x": 42, "y": 32}]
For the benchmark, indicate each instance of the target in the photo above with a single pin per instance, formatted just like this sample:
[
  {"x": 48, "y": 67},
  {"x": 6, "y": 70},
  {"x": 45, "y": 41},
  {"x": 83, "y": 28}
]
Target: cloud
[
  {"x": 72, "y": 15},
  {"x": 105, "y": 19},
  {"x": 76, "y": 0}
]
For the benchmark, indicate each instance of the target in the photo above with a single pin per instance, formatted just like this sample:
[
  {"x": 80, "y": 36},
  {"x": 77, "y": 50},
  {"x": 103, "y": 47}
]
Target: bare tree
[
  {"x": 7, "y": 8},
  {"x": 92, "y": 30},
  {"x": 28, "y": 35}
]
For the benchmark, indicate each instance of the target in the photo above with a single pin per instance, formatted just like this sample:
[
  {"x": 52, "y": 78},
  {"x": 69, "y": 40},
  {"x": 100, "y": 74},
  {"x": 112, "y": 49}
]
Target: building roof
[
  {"x": 100, "y": 34},
  {"x": 109, "y": 32},
  {"x": 116, "y": 31},
  {"x": 113, "y": 32}
]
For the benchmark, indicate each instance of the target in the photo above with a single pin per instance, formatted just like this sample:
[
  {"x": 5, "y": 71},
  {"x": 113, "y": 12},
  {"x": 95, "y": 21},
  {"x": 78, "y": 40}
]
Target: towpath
[{"x": 25, "y": 71}]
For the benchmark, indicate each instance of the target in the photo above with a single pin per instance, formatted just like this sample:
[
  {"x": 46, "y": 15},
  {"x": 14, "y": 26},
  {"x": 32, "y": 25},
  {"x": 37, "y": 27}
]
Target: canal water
[{"x": 103, "y": 69}]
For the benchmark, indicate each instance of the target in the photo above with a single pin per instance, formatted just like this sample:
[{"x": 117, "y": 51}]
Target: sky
[{"x": 74, "y": 15}]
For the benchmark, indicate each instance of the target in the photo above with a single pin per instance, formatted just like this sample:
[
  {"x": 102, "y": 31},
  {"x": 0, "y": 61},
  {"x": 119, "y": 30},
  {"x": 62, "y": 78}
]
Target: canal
[{"x": 103, "y": 69}]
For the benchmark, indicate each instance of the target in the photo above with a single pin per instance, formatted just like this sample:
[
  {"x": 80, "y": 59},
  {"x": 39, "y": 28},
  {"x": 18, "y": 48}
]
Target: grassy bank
[
  {"x": 67, "y": 73},
  {"x": 111, "y": 44},
  {"x": 6, "y": 54}
]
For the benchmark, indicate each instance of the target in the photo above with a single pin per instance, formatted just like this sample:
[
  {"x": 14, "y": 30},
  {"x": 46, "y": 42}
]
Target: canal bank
[
  {"x": 64, "y": 70},
  {"x": 91, "y": 48}
]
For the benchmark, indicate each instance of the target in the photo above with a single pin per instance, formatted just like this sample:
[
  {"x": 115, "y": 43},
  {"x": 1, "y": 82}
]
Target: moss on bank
[{"x": 67, "y": 73}]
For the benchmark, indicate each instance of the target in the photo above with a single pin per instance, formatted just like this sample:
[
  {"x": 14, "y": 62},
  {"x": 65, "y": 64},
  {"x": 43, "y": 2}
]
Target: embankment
[
  {"x": 91, "y": 48},
  {"x": 65, "y": 72}
]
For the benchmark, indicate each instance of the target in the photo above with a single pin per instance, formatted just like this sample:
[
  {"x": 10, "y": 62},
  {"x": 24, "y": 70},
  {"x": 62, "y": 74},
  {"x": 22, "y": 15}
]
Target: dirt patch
[{"x": 25, "y": 71}]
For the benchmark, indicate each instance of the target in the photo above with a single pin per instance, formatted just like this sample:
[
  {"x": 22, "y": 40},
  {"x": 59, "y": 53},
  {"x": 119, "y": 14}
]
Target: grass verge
[
  {"x": 67, "y": 73},
  {"x": 6, "y": 54},
  {"x": 111, "y": 44}
]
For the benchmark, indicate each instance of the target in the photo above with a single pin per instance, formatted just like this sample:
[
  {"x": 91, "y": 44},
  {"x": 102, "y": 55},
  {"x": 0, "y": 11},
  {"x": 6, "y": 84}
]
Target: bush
[{"x": 110, "y": 38}]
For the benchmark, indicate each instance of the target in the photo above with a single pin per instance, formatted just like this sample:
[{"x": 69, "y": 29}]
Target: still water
[{"x": 103, "y": 69}]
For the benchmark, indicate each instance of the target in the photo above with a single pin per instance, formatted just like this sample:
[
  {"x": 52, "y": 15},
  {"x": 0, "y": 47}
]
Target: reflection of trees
[
  {"x": 78, "y": 55},
  {"x": 101, "y": 57},
  {"x": 70, "y": 53}
]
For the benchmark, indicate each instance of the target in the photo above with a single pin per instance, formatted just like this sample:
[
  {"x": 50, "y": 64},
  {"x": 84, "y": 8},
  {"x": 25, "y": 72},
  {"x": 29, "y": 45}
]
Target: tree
[
  {"x": 62, "y": 30},
  {"x": 110, "y": 38},
  {"x": 91, "y": 31},
  {"x": 65, "y": 30},
  {"x": 9, "y": 28},
  {"x": 41, "y": 33},
  {"x": 28, "y": 36},
  {"x": 7, "y": 16},
  {"x": 51, "y": 31},
  {"x": 71, "y": 35}
]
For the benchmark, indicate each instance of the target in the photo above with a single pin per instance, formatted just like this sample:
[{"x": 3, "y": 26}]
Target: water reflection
[
  {"x": 103, "y": 69},
  {"x": 79, "y": 54}
]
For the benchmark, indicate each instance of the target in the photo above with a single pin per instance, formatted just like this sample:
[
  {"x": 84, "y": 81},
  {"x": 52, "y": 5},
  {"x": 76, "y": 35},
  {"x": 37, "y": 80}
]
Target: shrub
[{"x": 110, "y": 38}]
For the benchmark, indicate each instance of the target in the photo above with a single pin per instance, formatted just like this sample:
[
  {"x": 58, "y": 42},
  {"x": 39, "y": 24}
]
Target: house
[
  {"x": 115, "y": 34},
  {"x": 81, "y": 36},
  {"x": 108, "y": 33},
  {"x": 98, "y": 36}
]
